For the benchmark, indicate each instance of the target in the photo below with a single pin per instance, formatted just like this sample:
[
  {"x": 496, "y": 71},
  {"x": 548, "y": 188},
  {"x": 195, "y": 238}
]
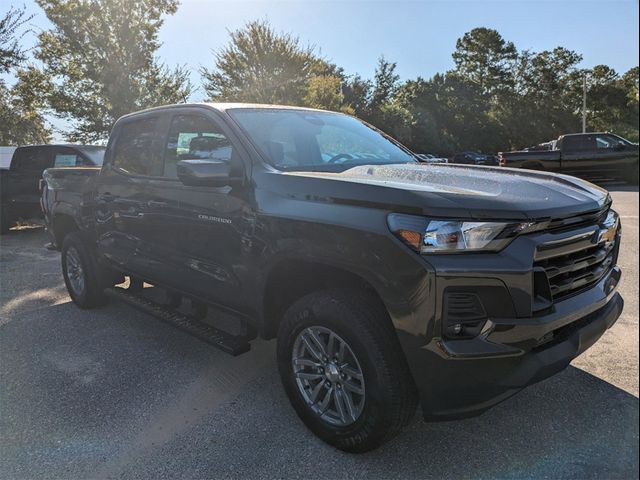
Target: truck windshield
[{"x": 308, "y": 140}]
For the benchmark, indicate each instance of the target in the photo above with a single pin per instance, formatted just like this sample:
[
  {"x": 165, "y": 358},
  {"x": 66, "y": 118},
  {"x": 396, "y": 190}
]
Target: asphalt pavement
[{"x": 114, "y": 393}]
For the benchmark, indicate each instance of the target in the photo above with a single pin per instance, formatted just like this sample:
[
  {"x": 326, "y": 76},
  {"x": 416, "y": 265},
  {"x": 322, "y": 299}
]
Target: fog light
[{"x": 464, "y": 314}]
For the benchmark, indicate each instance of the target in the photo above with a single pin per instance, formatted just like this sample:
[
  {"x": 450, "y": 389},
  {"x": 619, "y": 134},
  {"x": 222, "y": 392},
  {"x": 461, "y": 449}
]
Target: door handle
[{"x": 156, "y": 204}]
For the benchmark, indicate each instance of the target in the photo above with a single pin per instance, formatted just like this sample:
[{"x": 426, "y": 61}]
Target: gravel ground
[{"x": 113, "y": 393}]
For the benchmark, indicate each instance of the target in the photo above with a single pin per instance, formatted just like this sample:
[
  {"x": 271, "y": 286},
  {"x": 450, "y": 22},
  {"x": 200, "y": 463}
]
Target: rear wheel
[
  {"x": 343, "y": 370},
  {"x": 84, "y": 278}
]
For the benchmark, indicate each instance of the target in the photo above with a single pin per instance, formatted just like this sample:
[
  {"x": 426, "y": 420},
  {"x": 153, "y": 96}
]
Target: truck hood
[{"x": 460, "y": 191}]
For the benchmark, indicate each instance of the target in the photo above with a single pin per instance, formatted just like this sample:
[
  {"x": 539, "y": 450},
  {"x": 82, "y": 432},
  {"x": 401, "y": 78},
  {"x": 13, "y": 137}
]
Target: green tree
[
  {"x": 483, "y": 57},
  {"x": 20, "y": 119},
  {"x": 11, "y": 53},
  {"x": 357, "y": 94},
  {"x": 547, "y": 99},
  {"x": 630, "y": 84},
  {"x": 385, "y": 84},
  {"x": 612, "y": 101},
  {"x": 374, "y": 101},
  {"x": 260, "y": 65},
  {"x": 324, "y": 91},
  {"x": 99, "y": 62}
]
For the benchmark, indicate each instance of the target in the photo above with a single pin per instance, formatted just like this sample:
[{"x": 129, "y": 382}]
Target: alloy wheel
[
  {"x": 75, "y": 273},
  {"x": 328, "y": 375}
]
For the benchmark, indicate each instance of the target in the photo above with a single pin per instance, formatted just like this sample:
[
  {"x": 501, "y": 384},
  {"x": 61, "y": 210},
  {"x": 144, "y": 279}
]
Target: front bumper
[{"x": 463, "y": 378}]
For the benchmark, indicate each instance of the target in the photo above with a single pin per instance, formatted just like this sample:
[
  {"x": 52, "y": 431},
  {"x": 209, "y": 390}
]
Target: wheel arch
[
  {"x": 533, "y": 165},
  {"x": 291, "y": 279},
  {"x": 62, "y": 225}
]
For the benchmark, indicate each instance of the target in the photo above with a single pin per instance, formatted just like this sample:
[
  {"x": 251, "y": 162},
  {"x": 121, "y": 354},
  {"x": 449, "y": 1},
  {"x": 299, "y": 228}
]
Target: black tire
[
  {"x": 96, "y": 279},
  {"x": 533, "y": 166},
  {"x": 390, "y": 397},
  {"x": 634, "y": 176}
]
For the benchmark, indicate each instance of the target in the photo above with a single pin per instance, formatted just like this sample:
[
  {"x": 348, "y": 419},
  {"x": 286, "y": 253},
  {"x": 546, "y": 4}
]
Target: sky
[{"x": 419, "y": 35}]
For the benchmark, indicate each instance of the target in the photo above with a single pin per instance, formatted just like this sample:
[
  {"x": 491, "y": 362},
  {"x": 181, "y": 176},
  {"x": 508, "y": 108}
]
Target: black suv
[{"x": 387, "y": 282}]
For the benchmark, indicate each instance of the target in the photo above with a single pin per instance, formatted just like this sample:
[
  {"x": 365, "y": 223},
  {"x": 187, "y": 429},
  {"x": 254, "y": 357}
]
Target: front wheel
[
  {"x": 83, "y": 277},
  {"x": 343, "y": 370},
  {"x": 634, "y": 176}
]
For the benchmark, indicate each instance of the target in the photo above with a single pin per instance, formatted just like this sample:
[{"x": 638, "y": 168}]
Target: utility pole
[{"x": 584, "y": 103}]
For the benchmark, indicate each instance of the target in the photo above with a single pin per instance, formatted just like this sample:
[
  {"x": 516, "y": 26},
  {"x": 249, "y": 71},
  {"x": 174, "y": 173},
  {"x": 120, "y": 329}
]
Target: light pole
[{"x": 584, "y": 102}]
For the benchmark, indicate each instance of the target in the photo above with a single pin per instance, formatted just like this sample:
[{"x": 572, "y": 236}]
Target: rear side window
[
  {"x": 31, "y": 159},
  {"x": 607, "y": 141},
  {"x": 136, "y": 149},
  {"x": 579, "y": 143},
  {"x": 193, "y": 137}
]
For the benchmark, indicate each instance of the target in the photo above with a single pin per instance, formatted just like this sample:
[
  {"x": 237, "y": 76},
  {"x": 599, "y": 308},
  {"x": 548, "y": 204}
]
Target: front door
[
  {"x": 197, "y": 235},
  {"x": 615, "y": 157}
]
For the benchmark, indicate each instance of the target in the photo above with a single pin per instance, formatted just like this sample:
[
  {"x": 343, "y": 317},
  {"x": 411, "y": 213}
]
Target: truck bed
[{"x": 63, "y": 192}]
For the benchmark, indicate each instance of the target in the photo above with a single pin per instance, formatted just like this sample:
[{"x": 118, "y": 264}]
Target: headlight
[{"x": 453, "y": 236}]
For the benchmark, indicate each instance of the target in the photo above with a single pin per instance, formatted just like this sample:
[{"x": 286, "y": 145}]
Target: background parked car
[
  {"x": 430, "y": 158},
  {"x": 474, "y": 158},
  {"x": 19, "y": 185}
]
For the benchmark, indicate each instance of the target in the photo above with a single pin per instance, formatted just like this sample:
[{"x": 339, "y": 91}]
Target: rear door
[
  {"x": 579, "y": 154},
  {"x": 133, "y": 157}
]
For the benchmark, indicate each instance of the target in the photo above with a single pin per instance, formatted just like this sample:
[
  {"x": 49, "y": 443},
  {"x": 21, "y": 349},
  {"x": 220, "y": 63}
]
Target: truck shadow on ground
[
  {"x": 145, "y": 400},
  {"x": 574, "y": 425}
]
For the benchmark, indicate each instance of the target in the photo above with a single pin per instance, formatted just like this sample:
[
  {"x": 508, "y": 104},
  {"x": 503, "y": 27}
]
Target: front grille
[
  {"x": 577, "y": 221},
  {"x": 577, "y": 262}
]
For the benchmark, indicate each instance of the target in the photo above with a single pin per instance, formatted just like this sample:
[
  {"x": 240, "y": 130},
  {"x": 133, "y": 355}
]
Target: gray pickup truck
[
  {"x": 585, "y": 155},
  {"x": 387, "y": 282}
]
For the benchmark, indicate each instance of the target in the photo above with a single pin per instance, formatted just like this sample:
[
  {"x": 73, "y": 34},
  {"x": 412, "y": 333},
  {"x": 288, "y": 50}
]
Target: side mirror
[
  {"x": 619, "y": 146},
  {"x": 204, "y": 173}
]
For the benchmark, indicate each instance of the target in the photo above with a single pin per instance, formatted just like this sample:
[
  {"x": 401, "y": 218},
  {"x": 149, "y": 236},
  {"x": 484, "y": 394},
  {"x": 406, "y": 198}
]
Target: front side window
[
  {"x": 135, "y": 151},
  {"x": 194, "y": 137},
  {"x": 308, "y": 140},
  {"x": 607, "y": 141}
]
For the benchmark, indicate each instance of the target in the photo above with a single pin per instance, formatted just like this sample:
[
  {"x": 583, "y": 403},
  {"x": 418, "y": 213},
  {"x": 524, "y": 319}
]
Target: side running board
[{"x": 232, "y": 344}]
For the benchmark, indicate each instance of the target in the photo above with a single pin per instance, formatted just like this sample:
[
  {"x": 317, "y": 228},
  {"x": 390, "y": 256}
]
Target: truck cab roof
[{"x": 224, "y": 106}]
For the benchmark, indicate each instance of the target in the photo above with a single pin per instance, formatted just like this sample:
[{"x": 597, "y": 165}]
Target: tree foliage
[
  {"x": 20, "y": 117},
  {"x": 263, "y": 66},
  {"x": 495, "y": 98},
  {"x": 484, "y": 58},
  {"x": 99, "y": 62},
  {"x": 11, "y": 53}
]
